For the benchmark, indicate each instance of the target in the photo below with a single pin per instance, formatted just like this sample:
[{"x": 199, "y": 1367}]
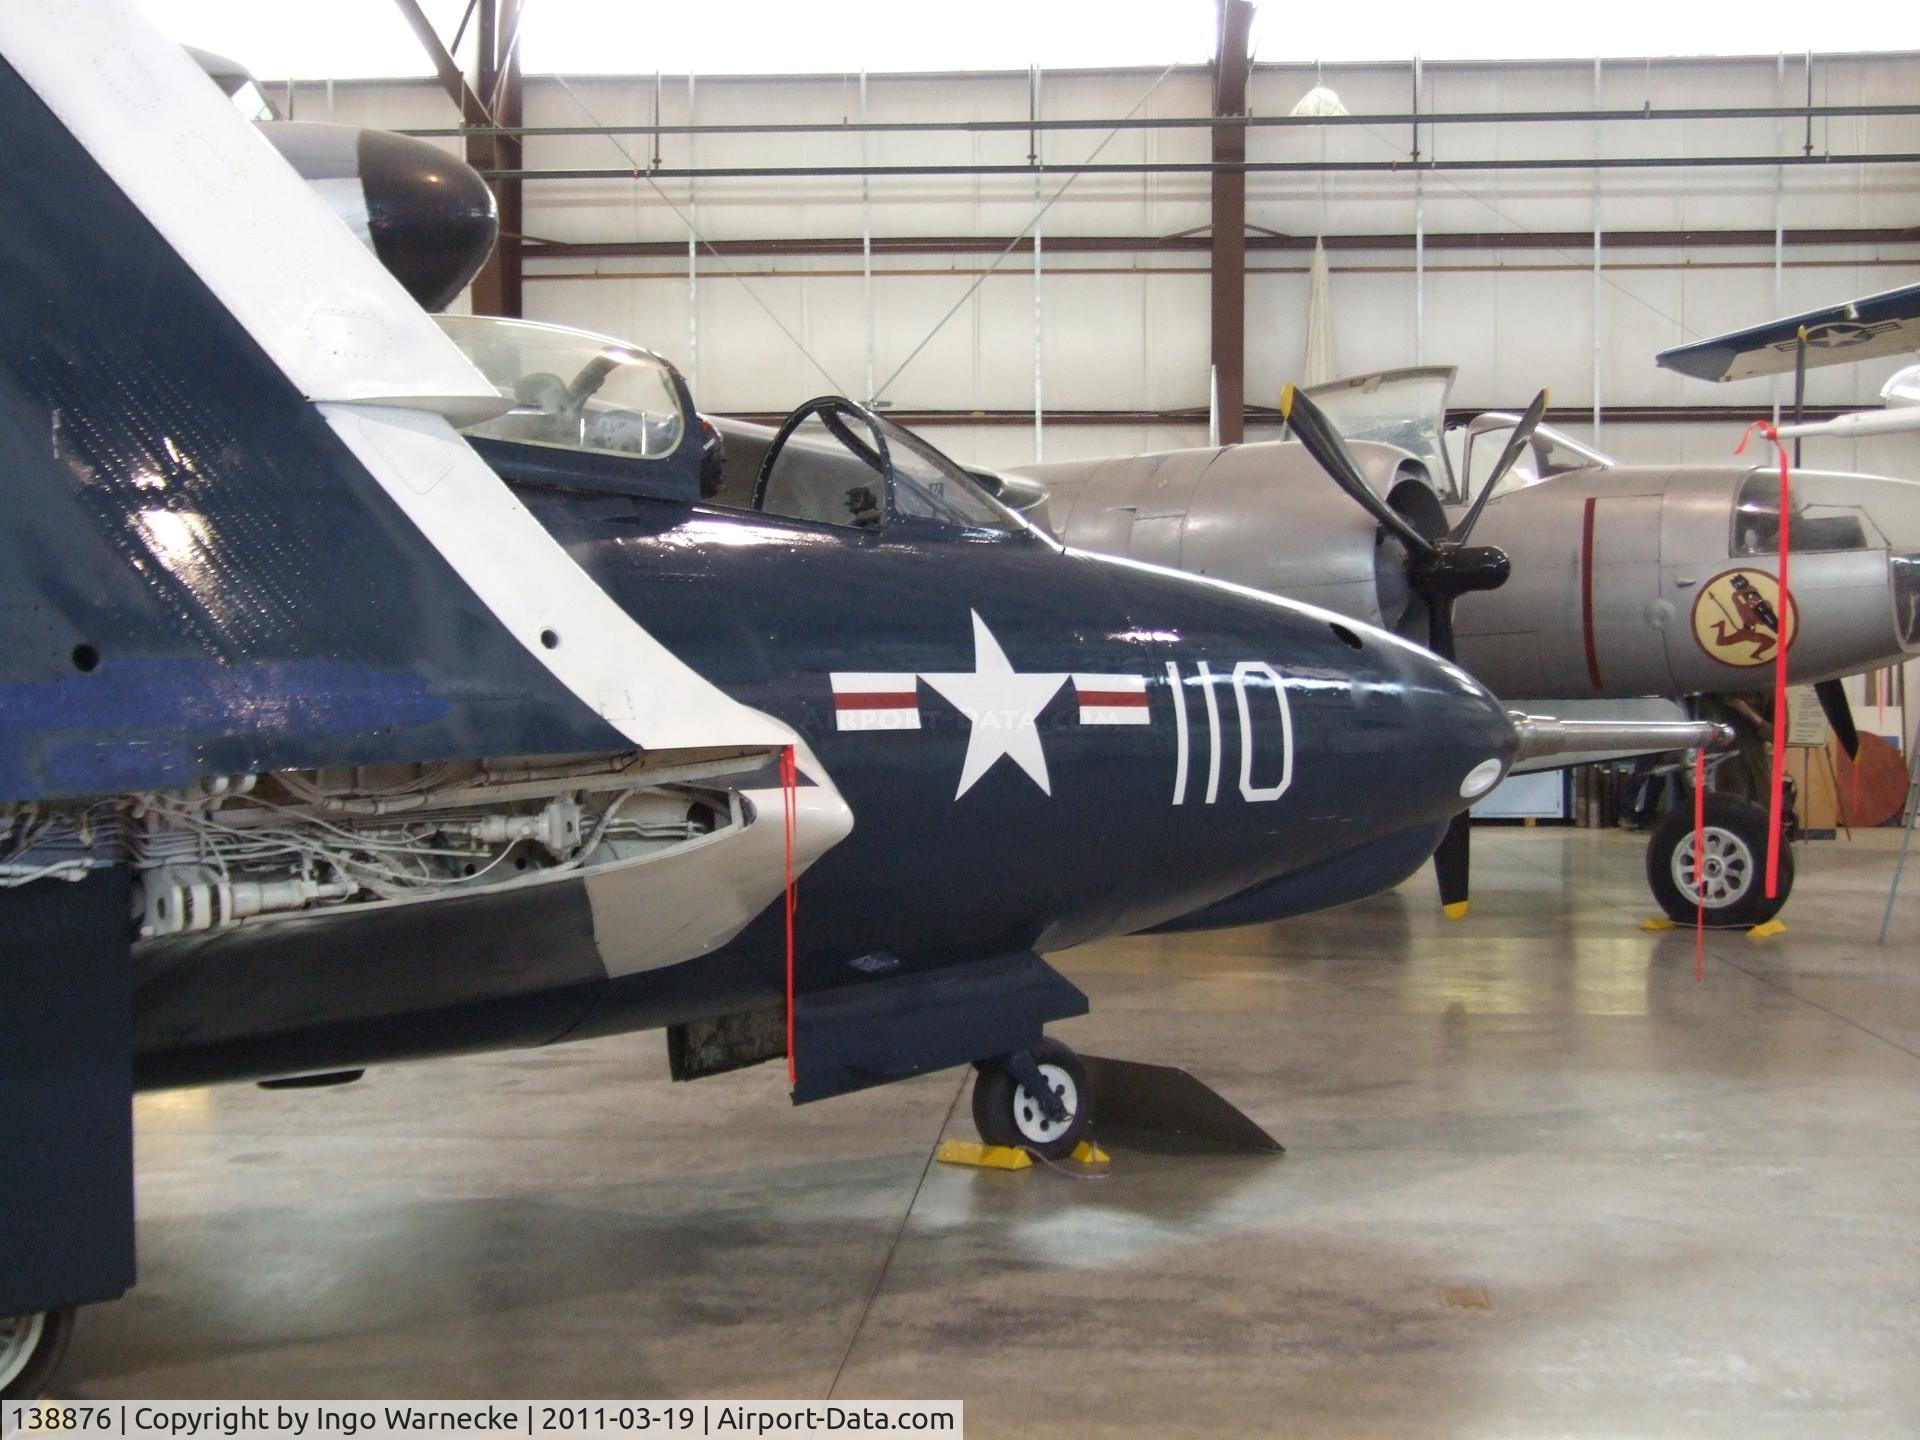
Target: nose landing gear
[{"x": 1038, "y": 1100}]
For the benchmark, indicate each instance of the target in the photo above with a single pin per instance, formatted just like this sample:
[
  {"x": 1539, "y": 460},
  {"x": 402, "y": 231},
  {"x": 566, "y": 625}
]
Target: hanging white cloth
[{"x": 1318, "y": 367}]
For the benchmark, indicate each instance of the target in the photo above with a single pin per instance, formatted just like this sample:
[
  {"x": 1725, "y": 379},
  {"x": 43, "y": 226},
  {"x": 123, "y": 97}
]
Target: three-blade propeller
[{"x": 1439, "y": 570}]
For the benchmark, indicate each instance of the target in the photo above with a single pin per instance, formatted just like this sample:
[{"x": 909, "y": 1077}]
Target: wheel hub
[
  {"x": 1726, "y": 870},
  {"x": 19, "y": 1338},
  {"x": 1031, "y": 1121}
]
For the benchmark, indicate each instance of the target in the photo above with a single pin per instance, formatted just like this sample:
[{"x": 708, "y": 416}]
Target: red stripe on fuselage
[
  {"x": 877, "y": 700},
  {"x": 1114, "y": 697},
  {"x": 1586, "y": 593}
]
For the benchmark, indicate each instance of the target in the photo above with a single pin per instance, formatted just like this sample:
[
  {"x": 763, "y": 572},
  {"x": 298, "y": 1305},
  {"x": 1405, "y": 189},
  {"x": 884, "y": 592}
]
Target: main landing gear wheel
[
  {"x": 1006, "y": 1112},
  {"x": 31, "y": 1348},
  {"x": 1733, "y": 857}
]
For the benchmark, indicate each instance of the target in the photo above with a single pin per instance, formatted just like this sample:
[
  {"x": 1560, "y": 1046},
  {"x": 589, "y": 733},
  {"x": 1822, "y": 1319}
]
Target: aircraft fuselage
[{"x": 1037, "y": 748}]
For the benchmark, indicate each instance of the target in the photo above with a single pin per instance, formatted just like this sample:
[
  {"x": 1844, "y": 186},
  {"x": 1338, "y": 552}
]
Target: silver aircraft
[{"x": 1627, "y": 582}]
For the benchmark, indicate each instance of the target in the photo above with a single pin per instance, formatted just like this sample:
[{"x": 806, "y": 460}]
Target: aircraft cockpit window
[
  {"x": 829, "y": 467},
  {"x": 932, "y": 487},
  {"x": 1550, "y": 453},
  {"x": 834, "y": 463},
  {"x": 1816, "y": 525},
  {"x": 570, "y": 389},
  {"x": 251, "y": 103},
  {"x": 1403, "y": 408},
  {"x": 235, "y": 83},
  {"x": 1906, "y": 598}
]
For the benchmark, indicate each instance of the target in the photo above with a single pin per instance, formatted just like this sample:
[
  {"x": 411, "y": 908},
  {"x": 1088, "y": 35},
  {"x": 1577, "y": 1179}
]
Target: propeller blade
[
  {"x": 1516, "y": 446},
  {"x": 1833, "y": 700},
  {"x": 1440, "y": 572},
  {"x": 1314, "y": 431},
  {"x": 1451, "y": 863},
  {"x": 1440, "y": 625}
]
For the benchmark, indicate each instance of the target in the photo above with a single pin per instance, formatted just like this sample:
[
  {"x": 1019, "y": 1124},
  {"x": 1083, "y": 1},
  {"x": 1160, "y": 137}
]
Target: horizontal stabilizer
[{"x": 1883, "y": 324}]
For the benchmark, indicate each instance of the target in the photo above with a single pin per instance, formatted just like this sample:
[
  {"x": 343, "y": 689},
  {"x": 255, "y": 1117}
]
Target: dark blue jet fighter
[{"x": 395, "y": 741}]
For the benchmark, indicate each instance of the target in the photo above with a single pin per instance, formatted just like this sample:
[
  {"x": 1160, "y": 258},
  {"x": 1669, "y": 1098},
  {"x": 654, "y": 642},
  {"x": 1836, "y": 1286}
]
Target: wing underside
[{"x": 1883, "y": 324}]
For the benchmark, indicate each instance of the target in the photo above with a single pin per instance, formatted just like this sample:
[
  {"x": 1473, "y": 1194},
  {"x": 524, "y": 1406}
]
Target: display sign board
[{"x": 1806, "y": 721}]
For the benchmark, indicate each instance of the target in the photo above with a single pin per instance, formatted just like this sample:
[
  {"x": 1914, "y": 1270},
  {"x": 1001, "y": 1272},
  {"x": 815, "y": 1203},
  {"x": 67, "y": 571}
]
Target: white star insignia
[{"x": 1003, "y": 707}]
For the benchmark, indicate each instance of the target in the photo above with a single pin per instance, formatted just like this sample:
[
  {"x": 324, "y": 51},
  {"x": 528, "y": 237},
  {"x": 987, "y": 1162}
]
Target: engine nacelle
[{"x": 1247, "y": 513}]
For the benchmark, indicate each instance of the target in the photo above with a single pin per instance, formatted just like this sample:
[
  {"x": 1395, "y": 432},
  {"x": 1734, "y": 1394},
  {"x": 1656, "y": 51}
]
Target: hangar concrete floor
[{"x": 1539, "y": 1181}]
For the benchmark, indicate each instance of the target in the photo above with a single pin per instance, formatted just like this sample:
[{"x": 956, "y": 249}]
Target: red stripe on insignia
[
  {"x": 876, "y": 700},
  {"x": 1114, "y": 697}
]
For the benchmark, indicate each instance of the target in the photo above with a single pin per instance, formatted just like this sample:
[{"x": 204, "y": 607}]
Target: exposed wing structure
[{"x": 1883, "y": 324}]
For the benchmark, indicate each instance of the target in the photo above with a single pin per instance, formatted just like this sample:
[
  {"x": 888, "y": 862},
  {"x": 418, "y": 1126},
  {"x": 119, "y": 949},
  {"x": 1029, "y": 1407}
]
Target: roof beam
[
  {"x": 472, "y": 109},
  {"x": 1573, "y": 241}
]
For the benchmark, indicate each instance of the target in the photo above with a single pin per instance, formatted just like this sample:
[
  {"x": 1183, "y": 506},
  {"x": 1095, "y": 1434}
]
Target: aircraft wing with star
[{"x": 1883, "y": 324}]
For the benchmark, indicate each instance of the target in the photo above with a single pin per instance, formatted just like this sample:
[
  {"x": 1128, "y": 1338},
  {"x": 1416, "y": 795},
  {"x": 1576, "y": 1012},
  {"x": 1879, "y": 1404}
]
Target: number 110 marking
[{"x": 1204, "y": 678}]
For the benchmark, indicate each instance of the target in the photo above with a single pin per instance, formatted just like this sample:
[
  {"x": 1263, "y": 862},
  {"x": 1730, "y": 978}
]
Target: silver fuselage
[{"x": 1612, "y": 566}]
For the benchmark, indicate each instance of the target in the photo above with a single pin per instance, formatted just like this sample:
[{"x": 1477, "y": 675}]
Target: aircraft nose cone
[
  {"x": 430, "y": 216},
  {"x": 1448, "y": 737}
]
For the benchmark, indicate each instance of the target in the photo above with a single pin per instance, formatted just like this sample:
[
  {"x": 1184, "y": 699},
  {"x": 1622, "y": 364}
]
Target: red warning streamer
[
  {"x": 790, "y": 822},
  {"x": 1779, "y": 661},
  {"x": 1699, "y": 866}
]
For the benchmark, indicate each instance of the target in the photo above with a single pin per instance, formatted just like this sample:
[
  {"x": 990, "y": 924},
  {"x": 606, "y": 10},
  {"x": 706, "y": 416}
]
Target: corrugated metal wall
[{"x": 1127, "y": 331}]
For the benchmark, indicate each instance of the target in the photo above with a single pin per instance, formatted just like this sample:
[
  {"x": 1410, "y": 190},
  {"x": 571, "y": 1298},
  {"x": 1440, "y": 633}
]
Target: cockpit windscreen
[
  {"x": 571, "y": 389},
  {"x": 835, "y": 463},
  {"x": 930, "y": 486},
  {"x": 1406, "y": 408},
  {"x": 1822, "y": 517}
]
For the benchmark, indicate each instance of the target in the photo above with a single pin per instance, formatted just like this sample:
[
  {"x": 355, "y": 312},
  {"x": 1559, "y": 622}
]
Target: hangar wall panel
[{"x": 1127, "y": 330}]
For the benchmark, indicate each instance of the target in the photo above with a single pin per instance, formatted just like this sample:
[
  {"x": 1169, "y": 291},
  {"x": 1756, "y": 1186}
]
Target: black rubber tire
[
  {"x": 1740, "y": 818},
  {"x": 33, "y": 1379},
  {"x": 996, "y": 1094}
]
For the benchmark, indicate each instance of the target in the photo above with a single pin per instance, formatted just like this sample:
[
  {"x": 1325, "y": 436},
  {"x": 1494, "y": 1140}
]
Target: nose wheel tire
[
  {"x": 31, "y": 1348},
  {"x": 1732, "y": 880},
  {"x": 1006, "y": 1113}
]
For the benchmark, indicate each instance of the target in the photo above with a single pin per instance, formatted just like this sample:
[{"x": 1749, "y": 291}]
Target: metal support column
[
  {"x": 1231, "y": 65},
  {"x": 693, "y": 260},
  {"x": 489, "y": 99},
  {"x": 496, "y": 289},
  {"x": 866, "y": 246},
  {"x": 1599, "y": 349},
  {"x": 1779, "y": 212},
  {"x": 1419, "y": 228},
  {"x": 1039, "y": 299}
]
